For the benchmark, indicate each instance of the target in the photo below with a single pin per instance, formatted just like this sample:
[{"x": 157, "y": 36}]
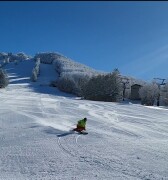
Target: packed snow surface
[{"x": 124, "y": 141}]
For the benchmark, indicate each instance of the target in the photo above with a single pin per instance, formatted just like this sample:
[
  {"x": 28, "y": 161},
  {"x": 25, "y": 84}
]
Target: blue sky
[{"x": 131, "y": 36}]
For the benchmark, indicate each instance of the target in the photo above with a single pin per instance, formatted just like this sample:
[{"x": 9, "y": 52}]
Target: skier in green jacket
[{"x": 81, "y": 125}]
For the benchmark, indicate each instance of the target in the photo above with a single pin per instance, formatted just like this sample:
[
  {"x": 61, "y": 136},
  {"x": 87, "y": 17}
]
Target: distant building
[{"x": 135, "y": 92}]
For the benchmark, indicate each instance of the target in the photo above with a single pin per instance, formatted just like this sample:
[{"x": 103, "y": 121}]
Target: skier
[{"x": 81, "y": 126}]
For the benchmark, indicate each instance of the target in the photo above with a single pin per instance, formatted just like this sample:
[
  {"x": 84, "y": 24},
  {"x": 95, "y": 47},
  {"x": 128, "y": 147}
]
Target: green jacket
[{"x": 82, "y": 123}]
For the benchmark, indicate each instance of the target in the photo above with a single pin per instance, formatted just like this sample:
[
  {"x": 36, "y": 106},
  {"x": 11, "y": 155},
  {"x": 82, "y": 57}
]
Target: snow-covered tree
[
  {"x": 37, "y": 66},
  {"x": 104, "y": 88},
  {"x": 36, "y": 70},
  {"x": 66, "y": 84},
  {"x": 149, "y": 93},
  {"x": 22, "y": 56},
  {"x": 34, "y": 75},
  {"x": 164, "y": 95},
  {"x": 3, "y": 78},
  {"x": 3, "y": 56},
  {"x": 7, "y": 60},
  {"x": 72, "y": 83},
  {"x": 47, "y": 57},
  {"x": 16, "y": 62}
]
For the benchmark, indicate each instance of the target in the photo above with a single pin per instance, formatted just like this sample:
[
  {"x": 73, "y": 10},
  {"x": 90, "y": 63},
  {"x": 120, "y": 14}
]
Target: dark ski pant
[{"x": 79, "y": 128}]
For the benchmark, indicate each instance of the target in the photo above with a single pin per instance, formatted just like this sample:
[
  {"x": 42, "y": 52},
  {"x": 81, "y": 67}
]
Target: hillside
[
  {"x": 61, "y": 63},
  {"x": 125, "y": 141}
]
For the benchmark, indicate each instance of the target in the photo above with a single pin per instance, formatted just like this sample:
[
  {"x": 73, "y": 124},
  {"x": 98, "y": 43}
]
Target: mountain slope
[{"x": 125, "y": 141}]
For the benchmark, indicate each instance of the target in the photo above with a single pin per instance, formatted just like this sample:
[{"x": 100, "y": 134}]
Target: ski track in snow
[{"x": 125, "y": 141}]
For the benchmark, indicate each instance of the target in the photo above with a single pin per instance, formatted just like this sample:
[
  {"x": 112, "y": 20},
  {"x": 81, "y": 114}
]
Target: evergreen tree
[{"x": 149, "y": 93}]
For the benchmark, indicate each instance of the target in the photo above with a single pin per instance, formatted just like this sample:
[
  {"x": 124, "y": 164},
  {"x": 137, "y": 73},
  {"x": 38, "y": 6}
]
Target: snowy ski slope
[{"x": 125, "y": 141}]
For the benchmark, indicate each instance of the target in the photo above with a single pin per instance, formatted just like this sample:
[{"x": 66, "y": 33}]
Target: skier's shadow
[
  {"x": 58, "y": 133},
  {"x": 65, "y": 134}
]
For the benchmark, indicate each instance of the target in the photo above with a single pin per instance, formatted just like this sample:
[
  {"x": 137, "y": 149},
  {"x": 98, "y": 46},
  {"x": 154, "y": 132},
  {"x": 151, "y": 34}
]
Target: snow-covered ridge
[
  {"x": 13, "y": 57},
  {"x": 63, "y": 64}
]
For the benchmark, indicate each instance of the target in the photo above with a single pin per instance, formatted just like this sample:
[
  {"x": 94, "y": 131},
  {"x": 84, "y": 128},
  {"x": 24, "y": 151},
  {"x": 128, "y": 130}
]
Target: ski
[{"x": 81, "y": 132}]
